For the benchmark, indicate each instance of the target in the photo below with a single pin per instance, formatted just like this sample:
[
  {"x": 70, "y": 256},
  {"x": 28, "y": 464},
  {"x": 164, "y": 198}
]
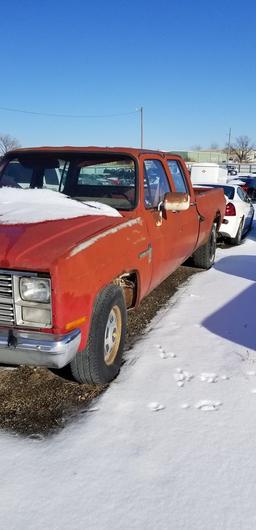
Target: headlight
[
  {"x": 34, "y": 315},
  {"x": 35, "y": 290}
]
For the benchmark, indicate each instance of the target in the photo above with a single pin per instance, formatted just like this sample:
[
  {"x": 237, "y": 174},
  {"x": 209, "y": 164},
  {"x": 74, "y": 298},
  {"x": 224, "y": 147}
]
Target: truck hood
[
  {"x": 38, "y": 226},
  {"x": 36, "y": 246}
]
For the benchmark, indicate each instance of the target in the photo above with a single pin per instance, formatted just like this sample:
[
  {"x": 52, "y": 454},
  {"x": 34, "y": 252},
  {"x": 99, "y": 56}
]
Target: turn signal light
[{"x": 230, "y": 209}]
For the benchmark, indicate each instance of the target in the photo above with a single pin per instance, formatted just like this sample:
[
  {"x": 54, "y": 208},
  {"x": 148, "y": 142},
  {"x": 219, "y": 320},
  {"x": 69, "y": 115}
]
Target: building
[{"x": 216, "y": 156}]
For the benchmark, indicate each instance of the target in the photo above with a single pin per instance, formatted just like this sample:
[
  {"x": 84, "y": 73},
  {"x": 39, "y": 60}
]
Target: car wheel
[
  {"x": 204, "y": 256},
  {"x": 238, "y": 239},
  {"x": 250, "y": 225},
  {"x": 100, "y": 361}
]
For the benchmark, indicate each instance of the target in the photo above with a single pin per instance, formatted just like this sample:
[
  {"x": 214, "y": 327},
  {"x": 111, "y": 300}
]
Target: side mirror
[{"x": 176, "y": 201}]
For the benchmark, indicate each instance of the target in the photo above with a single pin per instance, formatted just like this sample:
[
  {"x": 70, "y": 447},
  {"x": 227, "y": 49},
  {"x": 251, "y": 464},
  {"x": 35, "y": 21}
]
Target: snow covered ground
[{"x": 172, "y": 443}]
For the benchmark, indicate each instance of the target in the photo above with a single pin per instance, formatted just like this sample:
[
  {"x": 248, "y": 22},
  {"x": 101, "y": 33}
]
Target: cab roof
[{"x": 88, "y": 149}]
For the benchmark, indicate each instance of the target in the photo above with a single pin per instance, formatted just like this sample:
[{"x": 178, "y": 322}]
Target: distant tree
[
  {"x": 7, "y": 143},
  {"x": 214, "y": 146},
  {"x": 241, "y": 148},
  {"x": 196, "y": 147}
]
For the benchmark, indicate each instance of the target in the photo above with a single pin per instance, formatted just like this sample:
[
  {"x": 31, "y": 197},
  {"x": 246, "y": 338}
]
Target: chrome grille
[{"x": 6, "y": 300}]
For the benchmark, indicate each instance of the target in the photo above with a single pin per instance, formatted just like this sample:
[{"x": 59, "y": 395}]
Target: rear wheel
[
  {"x": 250, "y": 225},
  {"x": 238, "y": 239},
  {"x": 101, "y": 360},
  {"x": 204, "y": 257}
]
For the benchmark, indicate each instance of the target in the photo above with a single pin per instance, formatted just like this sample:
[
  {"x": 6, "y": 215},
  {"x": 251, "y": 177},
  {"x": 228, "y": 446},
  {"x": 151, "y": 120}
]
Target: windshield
[{"x": 110, "y": 179}]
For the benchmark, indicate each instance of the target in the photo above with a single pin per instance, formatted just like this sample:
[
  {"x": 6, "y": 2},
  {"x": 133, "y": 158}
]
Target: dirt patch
[{"x": 35, "y": 401}]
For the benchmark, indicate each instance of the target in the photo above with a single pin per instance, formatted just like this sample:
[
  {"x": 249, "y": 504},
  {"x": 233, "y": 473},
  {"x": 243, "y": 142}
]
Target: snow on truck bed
[{"x": 35, "y": 205}]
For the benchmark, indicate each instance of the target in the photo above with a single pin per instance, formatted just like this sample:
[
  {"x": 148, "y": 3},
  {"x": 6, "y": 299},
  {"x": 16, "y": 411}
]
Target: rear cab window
[
  {"x": 111, "y": 180},
  {"x": 178, "y": 176}
]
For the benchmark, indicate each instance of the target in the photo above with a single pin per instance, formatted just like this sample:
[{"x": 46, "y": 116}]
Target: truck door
[
  {"x": 164, "y": 233},
  {"x": 189, "y": 219}
]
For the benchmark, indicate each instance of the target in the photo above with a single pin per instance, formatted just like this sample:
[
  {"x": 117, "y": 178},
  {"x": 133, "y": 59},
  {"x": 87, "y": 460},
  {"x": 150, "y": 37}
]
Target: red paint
[{"x": 77, "y": 279}]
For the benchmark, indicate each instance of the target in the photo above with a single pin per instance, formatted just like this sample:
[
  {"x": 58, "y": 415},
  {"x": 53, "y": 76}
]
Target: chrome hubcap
[{"x": 112, "y": 335}]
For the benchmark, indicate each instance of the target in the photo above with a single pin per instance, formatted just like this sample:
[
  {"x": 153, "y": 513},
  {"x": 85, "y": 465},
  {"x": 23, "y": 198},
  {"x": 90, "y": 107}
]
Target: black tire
[
  {"x": 250, "y": 225},
  {"x": 204, "y": 257},
  {"x": 238, "y": 239},
  {"x": 98, "y": 363}
]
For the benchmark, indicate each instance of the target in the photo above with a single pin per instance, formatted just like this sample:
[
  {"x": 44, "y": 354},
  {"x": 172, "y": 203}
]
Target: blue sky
[{"x": 190, "y": 64}]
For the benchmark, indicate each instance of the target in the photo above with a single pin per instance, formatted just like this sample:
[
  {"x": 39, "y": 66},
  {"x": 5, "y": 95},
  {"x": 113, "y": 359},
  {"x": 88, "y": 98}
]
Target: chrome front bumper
[{"x": 38, "y": 349}]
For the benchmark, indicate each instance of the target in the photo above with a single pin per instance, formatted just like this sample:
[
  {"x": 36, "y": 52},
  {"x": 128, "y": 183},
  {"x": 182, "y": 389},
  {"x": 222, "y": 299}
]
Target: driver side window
[{"x": 156, "y": 183}]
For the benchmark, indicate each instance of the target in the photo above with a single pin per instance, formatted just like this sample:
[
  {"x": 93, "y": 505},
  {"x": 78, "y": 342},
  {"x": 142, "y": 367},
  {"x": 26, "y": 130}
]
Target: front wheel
[
  {"x": 204, "y": 257},
  {"x": 101, "y": 360}
]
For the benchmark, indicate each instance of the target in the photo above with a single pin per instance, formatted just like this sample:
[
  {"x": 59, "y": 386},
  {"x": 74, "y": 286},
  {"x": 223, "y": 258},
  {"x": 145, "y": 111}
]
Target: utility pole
[
  {"x": 229, "y": 139},
  {"x": 141, "y": 127}
]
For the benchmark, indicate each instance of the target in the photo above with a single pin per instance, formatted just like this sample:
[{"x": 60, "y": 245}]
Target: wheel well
[{"x": 129, "y": 283}]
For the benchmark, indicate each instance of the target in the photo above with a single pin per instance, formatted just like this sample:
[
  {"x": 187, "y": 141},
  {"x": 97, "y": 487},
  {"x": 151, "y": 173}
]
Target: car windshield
[
  {"x": 110, "y": 179},
  {"x": 249, "y": 180}
]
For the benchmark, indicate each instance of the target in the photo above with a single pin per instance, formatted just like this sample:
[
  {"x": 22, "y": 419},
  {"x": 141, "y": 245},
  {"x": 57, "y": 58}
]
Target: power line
[{"x": 49, "y": 114}]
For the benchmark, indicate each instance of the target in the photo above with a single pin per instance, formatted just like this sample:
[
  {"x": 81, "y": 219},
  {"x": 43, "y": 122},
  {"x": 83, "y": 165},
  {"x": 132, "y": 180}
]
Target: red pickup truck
[{"x": 85, "y": 234}]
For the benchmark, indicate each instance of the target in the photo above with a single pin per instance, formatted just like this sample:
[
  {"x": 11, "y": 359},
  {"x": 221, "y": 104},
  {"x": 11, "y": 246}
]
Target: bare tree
[
  {"x": 7, "y": 143},
  {"x": 214, "y": 146},
  {"x": 242, "y": 148},
  {"x": 196, "y": 147}
]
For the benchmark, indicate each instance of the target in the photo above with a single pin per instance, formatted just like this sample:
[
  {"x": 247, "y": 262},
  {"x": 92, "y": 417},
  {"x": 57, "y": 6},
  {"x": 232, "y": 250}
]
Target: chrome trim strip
[
  {"x": 38, "y": 349},
  {"x": 147, "y": 252},
  {"x": 92, "y": 240},
  {"x": 20, "y": 273}
]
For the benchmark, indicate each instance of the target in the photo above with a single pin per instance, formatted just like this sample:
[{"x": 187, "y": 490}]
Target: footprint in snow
[
  {"x": 207, "y": 405},
  {"x": 208, "y": 377},
  {"x": 163, "y": 354},
  {"x": 212, "y": 378},
  {"x": 184, "y": 406},
  {"x": 154, "y": 406},
  {"x": 182, "y": 376}
]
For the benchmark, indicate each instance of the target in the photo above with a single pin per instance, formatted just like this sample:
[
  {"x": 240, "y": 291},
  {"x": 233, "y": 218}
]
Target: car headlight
[{"x": 35, "y": 290}]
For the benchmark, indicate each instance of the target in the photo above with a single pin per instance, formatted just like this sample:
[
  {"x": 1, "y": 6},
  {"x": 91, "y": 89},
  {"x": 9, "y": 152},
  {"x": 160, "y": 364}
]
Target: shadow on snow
[{"x": 235, "y": 321}]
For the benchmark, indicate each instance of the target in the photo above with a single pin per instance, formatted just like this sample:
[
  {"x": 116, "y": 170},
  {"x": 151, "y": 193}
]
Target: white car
[{"x": 239, "y": 212}]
